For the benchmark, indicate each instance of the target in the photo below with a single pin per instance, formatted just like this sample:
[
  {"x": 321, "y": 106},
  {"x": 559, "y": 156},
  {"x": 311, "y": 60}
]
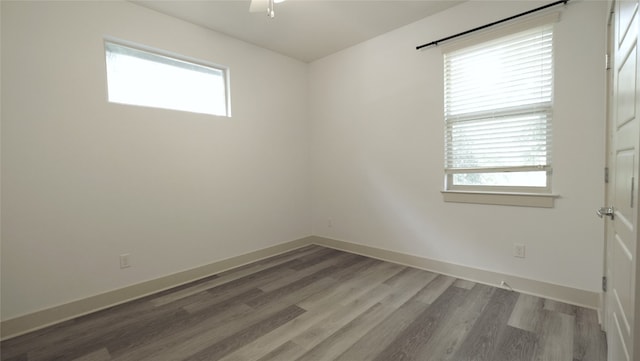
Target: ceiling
[{"x": 302, "y": 29}]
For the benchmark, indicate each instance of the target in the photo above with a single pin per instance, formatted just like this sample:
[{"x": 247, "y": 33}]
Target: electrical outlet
[
  {"x": 330, "y": 223},
  {"x": 518, "y": 250},
  {"x": 125, "y": 261}
]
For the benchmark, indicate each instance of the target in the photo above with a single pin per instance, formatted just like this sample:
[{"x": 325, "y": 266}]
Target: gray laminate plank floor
[{"x": 316, "y": 303}]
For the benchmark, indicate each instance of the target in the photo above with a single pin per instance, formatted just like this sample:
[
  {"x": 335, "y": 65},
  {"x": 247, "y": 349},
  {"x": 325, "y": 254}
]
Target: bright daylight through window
[
  {"x": 138, "y": 77},
  {"x": 498, "y": 108}
]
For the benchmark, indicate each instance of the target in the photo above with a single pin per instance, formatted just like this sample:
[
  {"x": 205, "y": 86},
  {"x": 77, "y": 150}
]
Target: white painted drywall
[
  {"x": 84, "y": 181},
  {"x": 377, "y": 148}
]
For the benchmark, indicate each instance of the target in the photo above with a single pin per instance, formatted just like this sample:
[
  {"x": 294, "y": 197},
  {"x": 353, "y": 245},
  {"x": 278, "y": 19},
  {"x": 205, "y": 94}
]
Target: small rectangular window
[
  {"x": 145, "y": 78},
  {"x": 498, "y": 108}
]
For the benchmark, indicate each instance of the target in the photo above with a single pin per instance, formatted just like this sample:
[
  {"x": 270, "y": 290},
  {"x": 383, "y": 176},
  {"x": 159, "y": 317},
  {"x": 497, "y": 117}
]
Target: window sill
[{"x": 501, "y": 198}]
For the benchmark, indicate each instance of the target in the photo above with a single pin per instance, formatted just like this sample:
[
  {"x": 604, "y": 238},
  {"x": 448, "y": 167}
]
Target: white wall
[
  {"x": 377, "y": 168},
  {"x": 85, "y": 181}
]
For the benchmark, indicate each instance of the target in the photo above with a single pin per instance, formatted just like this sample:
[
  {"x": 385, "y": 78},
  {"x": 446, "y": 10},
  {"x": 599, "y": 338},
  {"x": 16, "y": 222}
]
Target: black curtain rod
[{"x": 436, "y": 42}]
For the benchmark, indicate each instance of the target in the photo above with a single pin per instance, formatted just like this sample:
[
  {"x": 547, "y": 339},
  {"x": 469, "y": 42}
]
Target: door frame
[{"x": 608, "y": 191}]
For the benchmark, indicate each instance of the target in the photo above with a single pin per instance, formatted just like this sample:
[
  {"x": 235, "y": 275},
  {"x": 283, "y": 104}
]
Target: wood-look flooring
[{"x": 316, "y": 303}]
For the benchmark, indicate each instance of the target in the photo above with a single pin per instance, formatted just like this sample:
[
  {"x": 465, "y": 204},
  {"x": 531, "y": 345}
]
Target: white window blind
[{"x": 498, "y": 108}]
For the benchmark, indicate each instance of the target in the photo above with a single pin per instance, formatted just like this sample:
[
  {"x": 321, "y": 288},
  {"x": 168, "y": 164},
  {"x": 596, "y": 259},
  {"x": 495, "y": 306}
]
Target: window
[
  {"x": 140, "y": 77},
  {"x": 498, "y": 109}
]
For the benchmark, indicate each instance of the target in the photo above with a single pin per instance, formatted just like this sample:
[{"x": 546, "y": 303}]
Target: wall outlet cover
[
  {"x": 125, "y": 261},
  {"x": 518, "y": 250}
]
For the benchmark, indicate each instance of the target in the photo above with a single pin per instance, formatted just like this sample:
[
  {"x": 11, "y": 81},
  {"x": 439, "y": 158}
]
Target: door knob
[{"x": 605, "y": 211}]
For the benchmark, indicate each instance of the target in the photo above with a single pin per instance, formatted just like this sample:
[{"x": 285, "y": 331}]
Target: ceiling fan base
[{"x": 259, "y": 6}]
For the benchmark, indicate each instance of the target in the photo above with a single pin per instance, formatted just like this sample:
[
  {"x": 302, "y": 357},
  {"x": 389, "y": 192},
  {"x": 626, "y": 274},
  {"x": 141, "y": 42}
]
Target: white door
[{"x": 622, "y": 310}]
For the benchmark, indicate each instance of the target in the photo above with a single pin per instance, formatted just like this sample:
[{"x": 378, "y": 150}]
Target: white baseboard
[
  {"x": 50, "y": 316},
  {"x": 551, "y": 291}
]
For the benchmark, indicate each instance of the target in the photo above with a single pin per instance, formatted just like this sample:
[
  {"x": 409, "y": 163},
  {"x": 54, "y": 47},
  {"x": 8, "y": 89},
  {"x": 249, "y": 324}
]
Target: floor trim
[
  {"x": 33, "y": 321},
  {"x": 551, "y": 291},
  {"x": 50, "y": 316}
]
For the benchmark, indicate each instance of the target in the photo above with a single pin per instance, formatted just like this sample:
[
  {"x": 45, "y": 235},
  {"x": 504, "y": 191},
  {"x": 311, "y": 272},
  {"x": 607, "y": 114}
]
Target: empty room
[{"x": 319, "y": 180}]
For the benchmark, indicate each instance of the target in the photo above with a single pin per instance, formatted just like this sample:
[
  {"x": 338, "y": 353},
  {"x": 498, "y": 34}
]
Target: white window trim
[
  {"x": 449, "y": 186},
  {"x": 490, "y": 195},
  {"x": 540, "y": 200}
]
